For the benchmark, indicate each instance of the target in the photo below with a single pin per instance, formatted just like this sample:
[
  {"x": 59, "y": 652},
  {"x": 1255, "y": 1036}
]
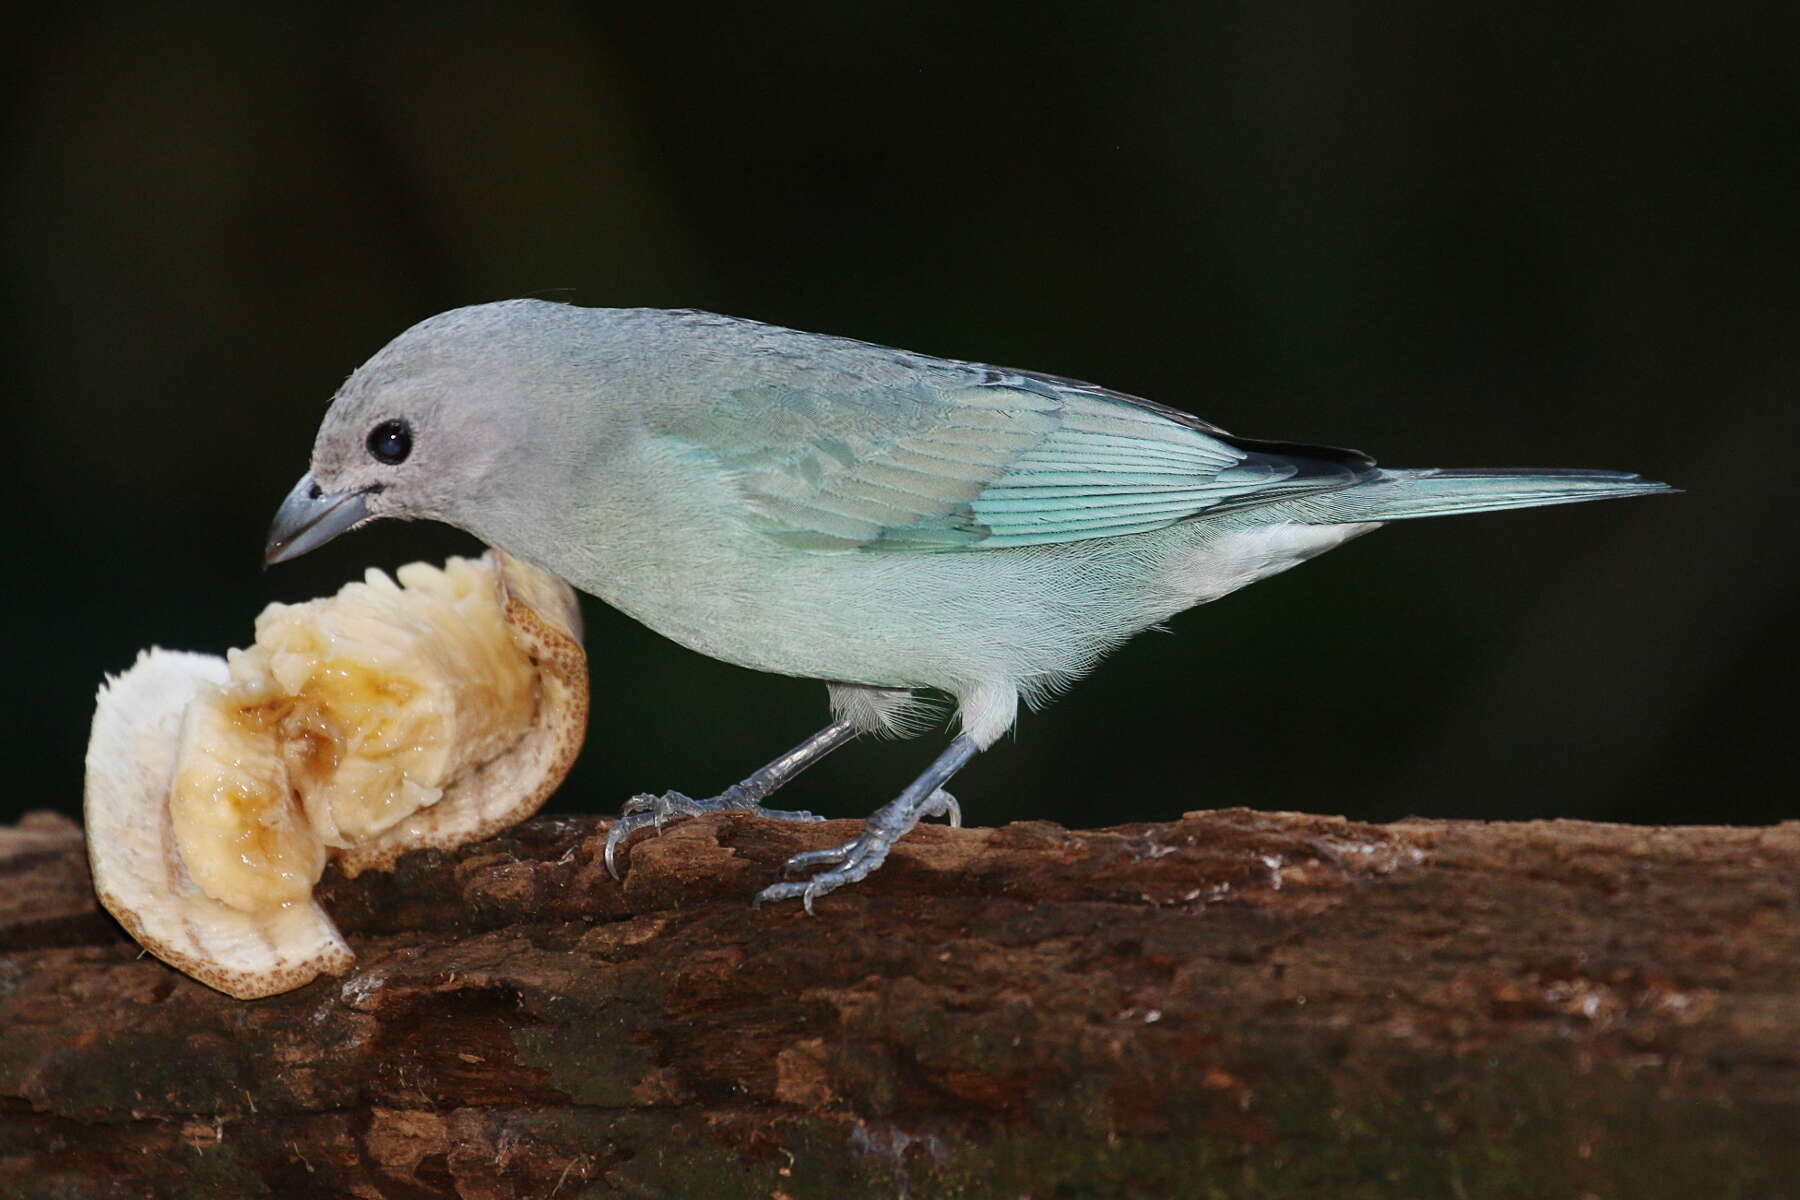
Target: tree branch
[{"x": 1235, "y": 1003}]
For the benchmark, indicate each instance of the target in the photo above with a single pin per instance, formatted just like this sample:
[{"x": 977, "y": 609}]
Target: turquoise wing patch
[{"x": 969, "y": 468}]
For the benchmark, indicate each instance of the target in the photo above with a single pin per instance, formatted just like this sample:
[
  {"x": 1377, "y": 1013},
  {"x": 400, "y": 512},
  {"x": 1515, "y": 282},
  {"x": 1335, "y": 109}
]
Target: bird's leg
[
  {"x": 856, "y": 858},
  {"x": 645, "y": 810}
]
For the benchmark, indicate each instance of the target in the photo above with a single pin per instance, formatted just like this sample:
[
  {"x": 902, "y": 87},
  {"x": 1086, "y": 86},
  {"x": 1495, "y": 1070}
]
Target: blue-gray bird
[{"x": 883, "y": 521}]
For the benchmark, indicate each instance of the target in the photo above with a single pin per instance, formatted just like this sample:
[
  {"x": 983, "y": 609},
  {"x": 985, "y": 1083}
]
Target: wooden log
[{"x": 1232, "y": 1004}]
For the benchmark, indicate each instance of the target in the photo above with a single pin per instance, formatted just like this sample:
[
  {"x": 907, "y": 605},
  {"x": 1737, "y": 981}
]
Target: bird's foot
[
  {"x": 644, "y": 810},
  {"x": 857, "y": 858}
]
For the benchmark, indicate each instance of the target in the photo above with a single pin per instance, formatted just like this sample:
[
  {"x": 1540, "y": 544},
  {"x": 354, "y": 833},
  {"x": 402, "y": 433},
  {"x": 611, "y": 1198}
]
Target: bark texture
[{"x": 1233, "y": 1004}]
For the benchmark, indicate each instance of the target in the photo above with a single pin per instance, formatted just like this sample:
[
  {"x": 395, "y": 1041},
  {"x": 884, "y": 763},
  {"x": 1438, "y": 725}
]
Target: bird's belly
[
  {"x": 850, "y": 617},
  {"x": 893, "y": 620},
  {"x": 1032, "y": 616}
]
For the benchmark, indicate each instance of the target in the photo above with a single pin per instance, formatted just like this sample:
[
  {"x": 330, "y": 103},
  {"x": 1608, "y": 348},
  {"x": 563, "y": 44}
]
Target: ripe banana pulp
[{"x": 427, "y": 712}]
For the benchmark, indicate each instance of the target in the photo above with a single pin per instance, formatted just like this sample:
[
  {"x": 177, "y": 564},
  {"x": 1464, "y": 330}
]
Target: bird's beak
[{"x": 310, "y": 517}]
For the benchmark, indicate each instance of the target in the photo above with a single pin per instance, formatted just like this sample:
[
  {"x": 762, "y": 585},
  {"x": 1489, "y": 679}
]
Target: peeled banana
[{"x": 429, "y": 709}]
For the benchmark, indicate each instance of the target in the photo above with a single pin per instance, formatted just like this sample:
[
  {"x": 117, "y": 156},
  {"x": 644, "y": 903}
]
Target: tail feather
[{"x": 1396, "y": 495}]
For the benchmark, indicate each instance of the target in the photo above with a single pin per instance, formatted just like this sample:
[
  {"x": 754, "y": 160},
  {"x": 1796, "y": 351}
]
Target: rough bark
[{"x": 1233, "y": 1004}]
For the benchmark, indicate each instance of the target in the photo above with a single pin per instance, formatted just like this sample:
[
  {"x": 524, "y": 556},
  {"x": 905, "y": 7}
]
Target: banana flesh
[{"x": 429, "y": 709}]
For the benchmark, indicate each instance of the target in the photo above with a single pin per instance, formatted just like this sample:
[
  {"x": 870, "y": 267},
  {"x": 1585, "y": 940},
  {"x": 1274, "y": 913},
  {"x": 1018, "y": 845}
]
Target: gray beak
[{"x": 309, "y": 518}]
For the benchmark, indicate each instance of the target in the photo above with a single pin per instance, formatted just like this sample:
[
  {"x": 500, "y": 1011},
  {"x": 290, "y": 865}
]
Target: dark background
[{"x": 1542, "y": 235}]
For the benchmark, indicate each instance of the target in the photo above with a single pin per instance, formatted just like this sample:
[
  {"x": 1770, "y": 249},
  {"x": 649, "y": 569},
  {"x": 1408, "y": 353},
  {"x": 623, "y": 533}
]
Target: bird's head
[{"x": 432, "y": 426}]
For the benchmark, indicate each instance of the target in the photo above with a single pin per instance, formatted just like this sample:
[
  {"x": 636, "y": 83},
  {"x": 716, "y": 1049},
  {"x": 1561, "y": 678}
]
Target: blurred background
[{"x": 1451, "y": 237}]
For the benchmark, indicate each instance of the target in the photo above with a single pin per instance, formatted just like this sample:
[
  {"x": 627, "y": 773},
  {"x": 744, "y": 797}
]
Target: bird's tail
[{"x": 1395, "y": 495}]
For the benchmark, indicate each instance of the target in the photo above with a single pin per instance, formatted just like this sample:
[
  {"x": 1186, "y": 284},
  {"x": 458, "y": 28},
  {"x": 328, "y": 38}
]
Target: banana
[
  {"x": 238, "y": 822},
  {"x": 427, "y": 710}
]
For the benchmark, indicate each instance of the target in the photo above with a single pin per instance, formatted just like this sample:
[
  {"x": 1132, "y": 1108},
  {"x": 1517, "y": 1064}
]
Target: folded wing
[{"x": 1017, "y": 461}]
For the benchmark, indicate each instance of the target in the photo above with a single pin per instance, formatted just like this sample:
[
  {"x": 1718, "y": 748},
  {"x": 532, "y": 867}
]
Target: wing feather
[{"x": 1012, "y": 461}]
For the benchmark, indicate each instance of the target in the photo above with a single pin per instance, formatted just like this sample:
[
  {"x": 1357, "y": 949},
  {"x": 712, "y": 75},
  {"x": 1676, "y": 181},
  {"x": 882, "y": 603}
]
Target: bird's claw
[
  {"x": 645, "y": 810},
  {"x": 645, "y": 802},
  {"x": 853, "y": 861},
  {"x": 640, "y": 811},
  {"x": 803, "y": 891},
  {"x": 943, "y": 804}
]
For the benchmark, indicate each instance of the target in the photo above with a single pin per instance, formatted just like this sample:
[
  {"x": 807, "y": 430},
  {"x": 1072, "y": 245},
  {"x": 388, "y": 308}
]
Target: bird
[{"x": 899, "y": 526}]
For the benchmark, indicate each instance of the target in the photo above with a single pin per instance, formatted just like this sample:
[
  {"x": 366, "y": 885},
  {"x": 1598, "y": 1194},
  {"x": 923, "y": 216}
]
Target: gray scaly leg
[
  {"x": 856, "y": 858},
  {"x": 645, "y": 810}
]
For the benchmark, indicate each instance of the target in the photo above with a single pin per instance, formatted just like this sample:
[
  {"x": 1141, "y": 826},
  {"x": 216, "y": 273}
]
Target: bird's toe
[{"x": 943, "y": 804}]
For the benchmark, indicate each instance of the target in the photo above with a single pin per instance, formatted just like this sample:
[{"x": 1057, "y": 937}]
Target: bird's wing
[{"x": 1011, "y": 459}]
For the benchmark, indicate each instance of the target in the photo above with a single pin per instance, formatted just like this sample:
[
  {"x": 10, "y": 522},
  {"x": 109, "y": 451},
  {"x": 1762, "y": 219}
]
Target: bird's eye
[{"x": 391, "y": 441}]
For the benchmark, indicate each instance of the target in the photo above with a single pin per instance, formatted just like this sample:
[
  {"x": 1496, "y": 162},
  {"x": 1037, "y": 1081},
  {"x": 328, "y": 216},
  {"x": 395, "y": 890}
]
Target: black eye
[{"x": 391, "y": 442}]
